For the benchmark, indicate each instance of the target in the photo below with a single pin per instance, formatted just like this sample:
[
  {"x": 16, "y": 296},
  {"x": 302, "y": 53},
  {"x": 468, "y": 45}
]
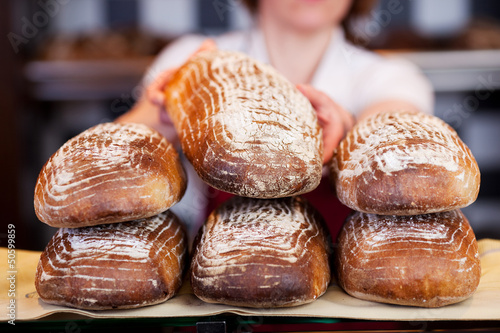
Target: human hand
[
  {"x": 333, "y": 118},
  {"x": 155, "y": 91}
]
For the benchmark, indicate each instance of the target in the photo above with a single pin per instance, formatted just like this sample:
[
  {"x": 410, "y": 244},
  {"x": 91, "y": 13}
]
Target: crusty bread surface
[
  {"x": 114, "y": 266},
  {"x": 244, "y": 127},
  {"x": 427, "y": 260},
  {"x": 261, "y": 253},
  {"x": 404, "y": 164},
  {"x": 109, "y": 173}
]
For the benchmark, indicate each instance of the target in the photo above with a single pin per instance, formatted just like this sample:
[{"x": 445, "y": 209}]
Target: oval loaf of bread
[
  {"x": 109, "y": 173},
  {"x": 404, "y": 164},
  {"x": 426, "y": 260},
  {"x": 114, "y": 266},
  {"x": 261, "y": 253},
  {"x": 244, "y": 127}
]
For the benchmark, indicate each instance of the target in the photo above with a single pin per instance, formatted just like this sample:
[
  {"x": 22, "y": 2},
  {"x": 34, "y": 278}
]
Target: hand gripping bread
[
  {"x": 427, "y": 260},
  {"x": 404, "y": 164},
  {"x": 244, "y": 127},
  {"x": 261, "y": 253},
  {"x": 109, "y": 173},
  {"x": 120, "y": 265}
]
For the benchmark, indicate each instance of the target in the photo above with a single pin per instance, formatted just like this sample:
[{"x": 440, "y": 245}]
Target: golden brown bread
[
  {"x": 244, "y": 127},
  {"x": 427, "y": 260},
  {"x": 120, "y": 265},
  {"x": 404, "y": 164},
  {"x": 261, "y": 253},
  {"x": 109, "y": 173}
]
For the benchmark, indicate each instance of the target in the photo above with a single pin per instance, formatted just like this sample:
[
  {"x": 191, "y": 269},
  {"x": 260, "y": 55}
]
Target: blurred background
[{"x": 67, "y": 65}]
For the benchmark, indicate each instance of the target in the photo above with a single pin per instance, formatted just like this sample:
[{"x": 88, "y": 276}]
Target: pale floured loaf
[
  {"x": 244, "y": 127},
  {"x": 261, "y": 253},
  {"x": 113, "y": 266},
  {"x": 404, "y": 164},
  {"x": 426, "y": 260},
  {"x": 109, "y": 173}
]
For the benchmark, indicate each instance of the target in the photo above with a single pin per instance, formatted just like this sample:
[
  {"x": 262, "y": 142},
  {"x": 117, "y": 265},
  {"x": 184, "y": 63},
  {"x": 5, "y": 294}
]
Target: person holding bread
[{"x": 305, "y": 40}]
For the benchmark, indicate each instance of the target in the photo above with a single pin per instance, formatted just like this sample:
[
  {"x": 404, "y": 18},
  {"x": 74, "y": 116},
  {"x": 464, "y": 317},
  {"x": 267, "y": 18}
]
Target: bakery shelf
[
  {"x": 332, "y": 311},
  {"x": 448, "y": 71},
  {"x": 84, "y": 79},
  {"x": 235, "y": 323},
  {"x": 453, "y": 71}
]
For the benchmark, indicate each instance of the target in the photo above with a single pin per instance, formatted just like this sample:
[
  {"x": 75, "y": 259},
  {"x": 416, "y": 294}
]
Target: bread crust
[
  {"x": 404, "y": 164},
  {"x": 109, "y": 173},
  {"x": 114, "y": 266},
  {"x": 261, "y": 253},
  {"x": 427, "y": 260},
  {"x": 244, "y": 127}
]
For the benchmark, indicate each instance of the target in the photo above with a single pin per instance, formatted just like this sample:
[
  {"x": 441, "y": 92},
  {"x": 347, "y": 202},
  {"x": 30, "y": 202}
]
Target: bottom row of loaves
[{"x": 262, "y": 253}]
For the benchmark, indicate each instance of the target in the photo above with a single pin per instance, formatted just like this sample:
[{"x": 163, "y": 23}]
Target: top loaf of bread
[
  {"x": 245, "y": 128},
  {"x": 109, "y": 173},
  {"x": 404, "y": 163}
]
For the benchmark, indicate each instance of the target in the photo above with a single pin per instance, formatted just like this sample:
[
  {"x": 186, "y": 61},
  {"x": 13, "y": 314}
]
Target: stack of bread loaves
[
  {"x": 248, "y": 131},
  {"x": 406, "y": 175},
  {"x": 109, "y": 190}
]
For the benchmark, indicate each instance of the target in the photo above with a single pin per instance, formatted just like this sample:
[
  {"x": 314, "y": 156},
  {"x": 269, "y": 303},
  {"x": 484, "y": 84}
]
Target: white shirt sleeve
[
  {"x": 393, "y": 78},
  {"x": 174, "y": 55}
]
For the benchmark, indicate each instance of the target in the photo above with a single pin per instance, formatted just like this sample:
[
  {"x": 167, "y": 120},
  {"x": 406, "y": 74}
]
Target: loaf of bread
[
  {"x": 244, "y": 127},
  {"x": 427, "y": 260},
  {"x": 404, "y": 164},
  {"x": 113, "y": 266},
  {"x": 261, "y": 253},
  {"x": 109, "y": 173}
]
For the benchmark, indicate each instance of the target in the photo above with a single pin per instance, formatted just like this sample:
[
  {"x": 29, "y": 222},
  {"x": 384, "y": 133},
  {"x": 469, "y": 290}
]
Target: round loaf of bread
[
  {"x": 109, "y": 173},
  {"x": 404, "y": 164},
  {"x": 245, "y": 128},
  {"x": 113, "y": 266},
  {"x": 427, "y": 260},
  {"x": 261, "y": 253}
]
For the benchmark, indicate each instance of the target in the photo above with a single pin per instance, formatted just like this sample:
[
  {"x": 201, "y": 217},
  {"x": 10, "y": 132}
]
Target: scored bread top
[
  {"x": 119, "y": 265},
  {"x": 109, "y": 173},
  {"x": 426, "y": 260},
  {"x": 405, "y": 164},
  {"x": 244, "y": 127},
  {"x": 261, "y": 253}
]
